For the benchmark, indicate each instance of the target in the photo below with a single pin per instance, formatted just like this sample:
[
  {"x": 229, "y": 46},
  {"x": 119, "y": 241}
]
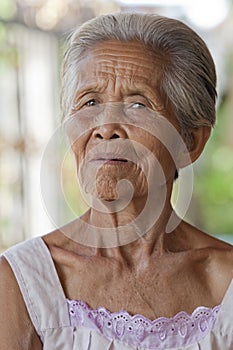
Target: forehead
[{"x": 126, "y": 61}]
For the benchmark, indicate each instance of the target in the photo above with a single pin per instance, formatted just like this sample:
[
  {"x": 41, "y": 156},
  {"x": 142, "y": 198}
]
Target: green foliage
[
  {"x": 8, "y": 52},
  {"x": 214, "y": 180},
  {"x": 7, "y": 9}
]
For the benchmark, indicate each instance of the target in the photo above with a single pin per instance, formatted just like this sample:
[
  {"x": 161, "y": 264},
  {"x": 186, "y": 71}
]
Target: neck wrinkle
[{"x": 151, "y": 243}]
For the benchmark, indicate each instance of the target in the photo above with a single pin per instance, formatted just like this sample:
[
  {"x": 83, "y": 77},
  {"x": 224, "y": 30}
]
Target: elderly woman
[{"x": 138, "y": 103}]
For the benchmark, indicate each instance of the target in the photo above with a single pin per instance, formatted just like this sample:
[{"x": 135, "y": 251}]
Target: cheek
[
  {"x": 77, "y": 136},
  {"x": 79, "y": 149},
  {"x": 167, "y": 164},
  {"x": 77, "y": 156},
  {"x": 163, "y": 141},
  {"x": 77, "y": 152},
  {"x": 160, "y": 162}
]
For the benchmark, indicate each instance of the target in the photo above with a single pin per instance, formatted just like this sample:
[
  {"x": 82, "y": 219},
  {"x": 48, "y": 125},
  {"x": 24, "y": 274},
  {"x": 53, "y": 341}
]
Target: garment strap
[
  {"x": 224, "y": 320},
  {"x": 37, "y": 278}
]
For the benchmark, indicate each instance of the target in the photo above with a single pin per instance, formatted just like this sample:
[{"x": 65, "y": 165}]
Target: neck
[{"x": 140, "y": 233}]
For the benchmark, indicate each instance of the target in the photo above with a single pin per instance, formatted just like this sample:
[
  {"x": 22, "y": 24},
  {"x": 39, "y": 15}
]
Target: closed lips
[{"x": 112, "y": 157}]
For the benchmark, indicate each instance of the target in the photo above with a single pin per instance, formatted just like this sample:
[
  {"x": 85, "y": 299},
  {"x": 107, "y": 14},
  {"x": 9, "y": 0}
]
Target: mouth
[
  {"x": 113, "y": 160},
  {"x": 109, "y": 158}
]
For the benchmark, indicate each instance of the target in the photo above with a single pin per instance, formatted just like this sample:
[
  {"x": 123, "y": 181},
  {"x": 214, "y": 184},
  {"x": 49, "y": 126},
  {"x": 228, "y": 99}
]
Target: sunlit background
[{"x": 32, "y": 42}]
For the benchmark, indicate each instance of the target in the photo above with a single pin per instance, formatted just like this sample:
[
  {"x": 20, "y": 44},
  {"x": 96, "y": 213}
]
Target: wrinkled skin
[{"x": 159, "y": 274}]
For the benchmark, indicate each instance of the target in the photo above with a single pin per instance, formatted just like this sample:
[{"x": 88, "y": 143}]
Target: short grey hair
[{"x": 188, "y": 80}]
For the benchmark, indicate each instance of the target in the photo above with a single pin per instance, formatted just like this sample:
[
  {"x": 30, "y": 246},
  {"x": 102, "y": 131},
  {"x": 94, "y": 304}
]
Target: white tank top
[{"x": 71, "y": 325}]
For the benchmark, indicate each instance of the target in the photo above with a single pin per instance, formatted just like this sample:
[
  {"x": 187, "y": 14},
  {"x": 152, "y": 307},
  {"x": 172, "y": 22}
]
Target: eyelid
[
  {"x": 139, "y": 103},
  {"x": 137, "y": 98},
  {"x": 83, "y": 99},
  {"x": 92, "y": 99}
]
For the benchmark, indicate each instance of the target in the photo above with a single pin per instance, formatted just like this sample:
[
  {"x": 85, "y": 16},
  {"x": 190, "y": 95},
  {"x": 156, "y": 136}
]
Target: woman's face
[{"x": 115, "y": 120}]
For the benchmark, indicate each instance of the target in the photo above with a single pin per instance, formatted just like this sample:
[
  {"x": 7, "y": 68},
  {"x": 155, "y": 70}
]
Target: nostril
[
  {"x": 99, "y": 136},
  {"x": 102, "y": 136},
  {"x": 114, "y": 136},
  {"x": 108, "y": 132}
]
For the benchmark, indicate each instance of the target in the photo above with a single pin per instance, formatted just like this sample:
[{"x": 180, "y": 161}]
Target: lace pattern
[{"x": 139, "y": 331}]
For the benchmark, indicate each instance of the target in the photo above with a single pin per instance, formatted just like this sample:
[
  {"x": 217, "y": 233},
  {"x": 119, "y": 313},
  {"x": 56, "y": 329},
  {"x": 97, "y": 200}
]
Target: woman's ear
[{"x": 198, "y": 138}]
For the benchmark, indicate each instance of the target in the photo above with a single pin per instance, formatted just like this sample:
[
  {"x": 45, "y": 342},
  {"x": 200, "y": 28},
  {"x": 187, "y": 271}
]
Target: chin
[
  {"x": 106, "y": 188},
  {"x": 107, "y": 198}
]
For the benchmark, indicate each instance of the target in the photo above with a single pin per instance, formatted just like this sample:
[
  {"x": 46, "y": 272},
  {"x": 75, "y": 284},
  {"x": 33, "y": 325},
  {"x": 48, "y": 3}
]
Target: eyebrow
[
  {"x": 94, "y": 88},
  {"x": 91, "y": 87},
  {"x": 136, "y": 92},
  {"x": 85, "y": 91}
]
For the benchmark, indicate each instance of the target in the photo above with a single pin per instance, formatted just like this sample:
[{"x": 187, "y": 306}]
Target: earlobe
[{"x": 199, "y": 138}]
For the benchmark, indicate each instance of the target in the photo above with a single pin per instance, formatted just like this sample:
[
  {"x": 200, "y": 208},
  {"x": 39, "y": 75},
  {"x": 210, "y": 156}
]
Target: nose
[{"x": 109, "y": 132}]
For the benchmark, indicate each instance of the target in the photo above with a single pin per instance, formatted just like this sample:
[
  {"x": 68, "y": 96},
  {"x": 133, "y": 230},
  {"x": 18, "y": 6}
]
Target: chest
[{"x": 153, "y": 292}]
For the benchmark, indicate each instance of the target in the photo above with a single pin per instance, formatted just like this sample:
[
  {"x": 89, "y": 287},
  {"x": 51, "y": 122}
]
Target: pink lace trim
[{"x": 137, "y": 330}]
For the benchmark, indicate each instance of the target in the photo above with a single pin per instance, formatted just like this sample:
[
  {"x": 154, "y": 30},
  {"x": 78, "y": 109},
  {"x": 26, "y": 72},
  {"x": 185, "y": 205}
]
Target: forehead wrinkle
[
  {"x": 131, "y": 71},
  {"x": 102, "y": 73},
  {"x": 127, "y": 84},
  {"x": 115, "y": 58},
  {"x": 119, "y": 67},
  {"x": 121, "y": 53},
  {"x": 119, "y": 59},
  {"x": 108, "y": 63}
]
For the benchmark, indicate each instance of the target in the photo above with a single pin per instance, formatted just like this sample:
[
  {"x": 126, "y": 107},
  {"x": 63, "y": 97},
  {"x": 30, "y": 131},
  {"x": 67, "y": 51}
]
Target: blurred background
[{"x": 32, "y": 42}]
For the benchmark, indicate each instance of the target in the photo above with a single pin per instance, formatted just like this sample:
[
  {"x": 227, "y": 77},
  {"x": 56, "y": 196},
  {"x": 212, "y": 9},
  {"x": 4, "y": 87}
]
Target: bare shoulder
[
  {"x": 219, "y": 251},
  {"x": 216, "y": 257},
  {"x": 16, "y": 329},
  {"x": 198, "y": 239},
  {"x": 220, "y": 265},
  {"x": 221, "y": 260}
]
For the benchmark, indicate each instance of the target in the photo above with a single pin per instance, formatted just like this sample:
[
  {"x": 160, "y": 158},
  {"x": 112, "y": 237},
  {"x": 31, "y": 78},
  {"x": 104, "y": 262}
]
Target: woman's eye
[
  {"x": 138, "y": 105},
  {"x": 91, "y": 103}
]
